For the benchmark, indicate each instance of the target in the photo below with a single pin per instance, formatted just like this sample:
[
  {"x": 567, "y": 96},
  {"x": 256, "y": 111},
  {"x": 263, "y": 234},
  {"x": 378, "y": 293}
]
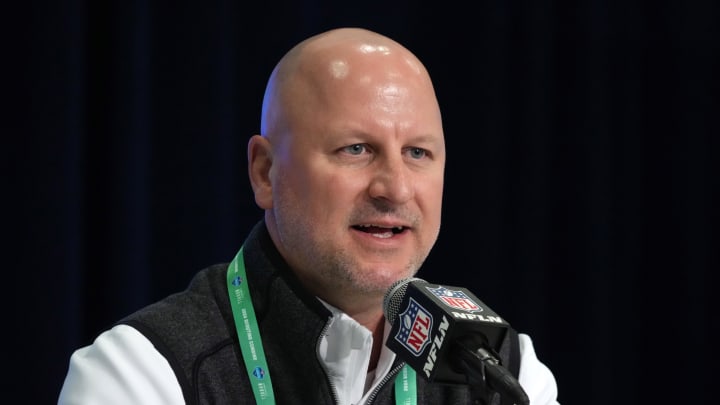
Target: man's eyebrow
[{"x": 427, "y": 138}]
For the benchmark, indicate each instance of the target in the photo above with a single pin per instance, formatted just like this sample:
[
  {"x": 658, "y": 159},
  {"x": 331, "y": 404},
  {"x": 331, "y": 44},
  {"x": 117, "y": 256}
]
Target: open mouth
[{"x": 380, "y": 231}]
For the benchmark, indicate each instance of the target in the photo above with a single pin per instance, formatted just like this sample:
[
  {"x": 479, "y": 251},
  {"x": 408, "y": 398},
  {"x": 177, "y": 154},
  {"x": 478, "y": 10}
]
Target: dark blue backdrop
[{"x": 581, "y": 200}]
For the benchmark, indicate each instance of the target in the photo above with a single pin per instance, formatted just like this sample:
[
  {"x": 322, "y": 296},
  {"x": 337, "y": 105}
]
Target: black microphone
[{"x": 447, "y": 335}]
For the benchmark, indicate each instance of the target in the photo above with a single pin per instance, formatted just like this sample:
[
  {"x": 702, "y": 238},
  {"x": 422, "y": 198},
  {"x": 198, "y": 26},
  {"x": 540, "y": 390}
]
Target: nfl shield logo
[
  {"x": 455, "y": 299},
  {"x": 415, "y": 326}
]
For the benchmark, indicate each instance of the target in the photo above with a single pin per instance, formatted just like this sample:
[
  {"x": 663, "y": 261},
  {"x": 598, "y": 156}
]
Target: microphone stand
[{"x": 486, "y": 376}]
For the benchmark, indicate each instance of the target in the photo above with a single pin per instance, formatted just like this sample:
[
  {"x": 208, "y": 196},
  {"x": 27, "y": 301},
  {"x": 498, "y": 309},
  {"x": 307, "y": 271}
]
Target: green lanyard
[
  {"x": 248, "y": 332},
  {"x": 252, "y": 349},
  {"x": 405, "y": 390}
]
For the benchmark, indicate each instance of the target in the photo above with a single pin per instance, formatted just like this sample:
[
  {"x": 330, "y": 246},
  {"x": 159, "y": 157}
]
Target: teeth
[
  {"x": 383, "y": 235},
  {"x": 394, "y": 228}
]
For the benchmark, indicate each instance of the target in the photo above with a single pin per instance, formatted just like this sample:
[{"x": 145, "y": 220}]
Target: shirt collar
[{"x": 345, "y": 351}]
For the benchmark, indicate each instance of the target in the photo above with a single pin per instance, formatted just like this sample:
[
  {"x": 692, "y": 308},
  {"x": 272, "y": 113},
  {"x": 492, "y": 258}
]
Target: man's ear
[{"x": 260, "y": 161}]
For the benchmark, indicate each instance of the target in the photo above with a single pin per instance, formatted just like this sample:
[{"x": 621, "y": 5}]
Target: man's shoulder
[{"x": 199, "y": 309}]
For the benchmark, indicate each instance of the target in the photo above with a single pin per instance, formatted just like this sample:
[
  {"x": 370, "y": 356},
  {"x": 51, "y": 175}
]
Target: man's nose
[{"x": 392, "y": 181}]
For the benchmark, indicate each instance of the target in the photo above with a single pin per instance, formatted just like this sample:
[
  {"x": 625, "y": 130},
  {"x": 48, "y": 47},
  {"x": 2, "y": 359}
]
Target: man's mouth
[{"x": 380, "y": 231}]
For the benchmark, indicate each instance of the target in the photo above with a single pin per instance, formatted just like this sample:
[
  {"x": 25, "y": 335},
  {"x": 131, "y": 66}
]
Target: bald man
[{"x": 348, "y": 168}]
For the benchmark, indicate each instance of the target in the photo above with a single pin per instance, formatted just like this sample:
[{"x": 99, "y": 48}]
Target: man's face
[{"x": 358, "y": 181}]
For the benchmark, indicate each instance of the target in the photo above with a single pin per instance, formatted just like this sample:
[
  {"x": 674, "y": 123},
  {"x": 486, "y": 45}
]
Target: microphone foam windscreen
[{"x": 394, "y": 296}]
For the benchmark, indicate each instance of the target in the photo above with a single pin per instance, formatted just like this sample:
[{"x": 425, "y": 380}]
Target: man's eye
[
  {"x": 417, "y": 153},
  {"x": 356, "y": 149}
]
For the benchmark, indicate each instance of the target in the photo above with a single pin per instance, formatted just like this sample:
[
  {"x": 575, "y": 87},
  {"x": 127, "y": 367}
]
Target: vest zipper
[
  {"x": 390, "y": 375},
  {"x": 333, "y": 388}
]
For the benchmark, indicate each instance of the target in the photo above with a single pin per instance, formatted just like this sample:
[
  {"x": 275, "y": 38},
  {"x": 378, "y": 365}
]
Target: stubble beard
[
  {"x": 325, "y": 268},
  {"x": 344, "y": 272},
  {"x": 336, "y": 271},
  {"x": 328, "y": 269}
]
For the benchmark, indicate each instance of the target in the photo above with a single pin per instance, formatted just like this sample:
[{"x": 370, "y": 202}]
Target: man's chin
[{"x": 379, "y": 281}]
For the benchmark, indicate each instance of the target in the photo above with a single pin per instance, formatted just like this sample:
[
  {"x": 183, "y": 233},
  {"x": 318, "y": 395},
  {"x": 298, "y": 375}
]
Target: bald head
[
  {"x": 343, "y": 62},
  {"x": 349, "y": 166}
]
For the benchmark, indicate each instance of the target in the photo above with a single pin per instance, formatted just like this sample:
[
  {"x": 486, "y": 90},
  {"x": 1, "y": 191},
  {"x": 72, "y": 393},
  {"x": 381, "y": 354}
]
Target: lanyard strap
[
  {"x": 252, "y": 349},
  {"x": 405, "y": 390},
  {"x": 248, "y": 332}
]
